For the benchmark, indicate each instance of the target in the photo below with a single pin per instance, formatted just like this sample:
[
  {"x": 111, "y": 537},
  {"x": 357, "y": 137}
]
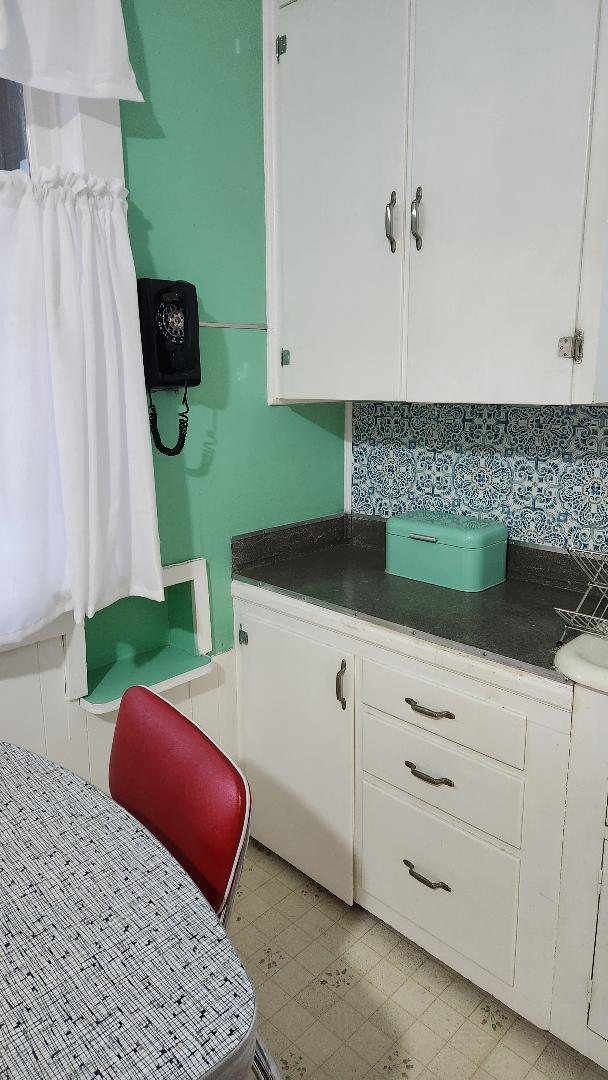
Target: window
[
  {"x": 13, "y": 131},
  {"x": 39, "y": 129}
]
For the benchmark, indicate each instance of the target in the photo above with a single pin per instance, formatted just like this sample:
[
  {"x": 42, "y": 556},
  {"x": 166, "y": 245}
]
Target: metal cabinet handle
[
  {"x": 340, "y": 684},
  {"x": 437, "y": 781},
  {"x": 415, "y": 224},
  {"x": 439, "y": 714},
  {"x": 388, "y": 221},
  {"x": 423, "y": 880}
]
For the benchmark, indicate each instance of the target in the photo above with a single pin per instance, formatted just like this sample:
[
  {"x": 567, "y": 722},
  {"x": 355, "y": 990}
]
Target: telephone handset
[{"x": 168, "y": 315}]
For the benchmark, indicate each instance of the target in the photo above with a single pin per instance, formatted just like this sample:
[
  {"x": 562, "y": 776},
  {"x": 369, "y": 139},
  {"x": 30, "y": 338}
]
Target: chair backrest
[{"x": 178, "y": 783}]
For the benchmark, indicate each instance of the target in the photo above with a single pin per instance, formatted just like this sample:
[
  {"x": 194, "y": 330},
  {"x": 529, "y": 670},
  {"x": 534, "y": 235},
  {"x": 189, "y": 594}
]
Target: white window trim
[
  {"x": 82, "y": 134},
  {"x": 62, "y": 626}
]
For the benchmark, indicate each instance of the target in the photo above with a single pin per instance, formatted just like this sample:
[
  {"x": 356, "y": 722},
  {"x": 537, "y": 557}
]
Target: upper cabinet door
[
  {"x": 341, "y": 144},
  {"x": 502, "y": 95}
]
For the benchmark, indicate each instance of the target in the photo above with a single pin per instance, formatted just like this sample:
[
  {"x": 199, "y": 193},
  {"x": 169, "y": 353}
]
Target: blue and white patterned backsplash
[{"x": 543, "y": 470}]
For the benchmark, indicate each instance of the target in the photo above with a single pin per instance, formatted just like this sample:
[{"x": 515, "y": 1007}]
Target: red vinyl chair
[{"x": 191, "y": 796}]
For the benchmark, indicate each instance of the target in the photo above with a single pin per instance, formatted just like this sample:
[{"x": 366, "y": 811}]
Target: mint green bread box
[{"x": 464, "y": 553}]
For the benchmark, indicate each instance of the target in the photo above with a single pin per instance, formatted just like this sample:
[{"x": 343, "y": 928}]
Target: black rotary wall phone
[{"x": 168, "y": 316}]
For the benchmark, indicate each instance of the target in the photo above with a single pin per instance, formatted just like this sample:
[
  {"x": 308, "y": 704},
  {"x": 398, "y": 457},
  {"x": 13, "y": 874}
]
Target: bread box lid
[{"x": 444, "y": 528}]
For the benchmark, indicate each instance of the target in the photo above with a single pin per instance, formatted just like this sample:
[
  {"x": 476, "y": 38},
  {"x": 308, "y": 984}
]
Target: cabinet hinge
[
  {"x": 285, "y": 357},
  {"x": 600, "y": 882},
  {"x": 571, "y": 348},
  {"x": 589, "y": 991},
  {"x": 243, "y": 636},
  {"x": 280, "y": 46}
]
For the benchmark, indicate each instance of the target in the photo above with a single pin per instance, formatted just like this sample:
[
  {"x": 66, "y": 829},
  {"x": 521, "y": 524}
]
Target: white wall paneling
[
  {"x": 36, "y": 714},
  {"x": 34, "y": 710}
]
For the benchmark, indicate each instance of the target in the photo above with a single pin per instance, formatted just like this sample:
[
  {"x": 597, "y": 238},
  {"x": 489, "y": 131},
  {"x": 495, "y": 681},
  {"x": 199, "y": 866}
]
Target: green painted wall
[{"x": 194, "y": 161}]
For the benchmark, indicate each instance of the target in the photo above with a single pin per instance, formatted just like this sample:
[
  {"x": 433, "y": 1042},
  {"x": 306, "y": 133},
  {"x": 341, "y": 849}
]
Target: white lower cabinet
[
  {"x": 435, "y": 797},
  {"x": 296, "y": 741},
  {"x": 494, "y": 837},
  {"x": 451, "y": 884},
  {"x": 580, "y": 1002},
  {"x": 481, "y": 717},
  {"x": 598, "y": 1005},
  {"x": 461, "y": 784}
]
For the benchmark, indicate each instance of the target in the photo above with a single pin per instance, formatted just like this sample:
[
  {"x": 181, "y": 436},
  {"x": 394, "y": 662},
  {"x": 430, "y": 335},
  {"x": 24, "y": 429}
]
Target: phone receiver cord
[{"x": 170, "y": 451}]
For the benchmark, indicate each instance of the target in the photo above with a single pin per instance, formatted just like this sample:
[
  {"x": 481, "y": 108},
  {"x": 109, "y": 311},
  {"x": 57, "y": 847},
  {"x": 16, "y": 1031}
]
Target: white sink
[{"x": 585, "y": 660}]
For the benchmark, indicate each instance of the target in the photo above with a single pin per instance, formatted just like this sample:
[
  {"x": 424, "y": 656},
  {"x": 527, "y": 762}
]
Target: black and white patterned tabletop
[{"x": 112, "y": 964}]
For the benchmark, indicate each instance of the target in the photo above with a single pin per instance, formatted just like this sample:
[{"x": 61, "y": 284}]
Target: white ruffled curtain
[
  {"x": 74, "y": 47},
  {"x": 78, "y": 526}
]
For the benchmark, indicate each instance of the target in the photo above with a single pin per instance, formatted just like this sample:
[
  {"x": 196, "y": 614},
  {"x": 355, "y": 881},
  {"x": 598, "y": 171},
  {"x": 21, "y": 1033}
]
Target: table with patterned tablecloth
[{"x": 112, "y": 963}]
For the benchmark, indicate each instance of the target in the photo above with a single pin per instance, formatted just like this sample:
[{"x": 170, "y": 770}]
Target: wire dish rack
[{"x": 591, "y": 615}]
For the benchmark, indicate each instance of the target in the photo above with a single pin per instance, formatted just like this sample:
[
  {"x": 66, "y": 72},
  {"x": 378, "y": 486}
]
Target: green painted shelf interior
[
  {"x": 141, "y": 641},
  {"x": 149, "y": 669}
]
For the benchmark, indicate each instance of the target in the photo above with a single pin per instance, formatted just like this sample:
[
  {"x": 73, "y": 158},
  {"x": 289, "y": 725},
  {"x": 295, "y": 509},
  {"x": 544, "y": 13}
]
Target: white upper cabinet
[
  {"x": 497, "y": 113},
  {"x": 501, "y": 102},
  {"x": 341, "y": 89}
]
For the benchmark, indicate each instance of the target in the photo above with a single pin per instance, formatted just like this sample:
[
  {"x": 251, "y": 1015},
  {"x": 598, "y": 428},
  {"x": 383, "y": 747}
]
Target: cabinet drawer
[
  {"x": 481, "y": 794},
  {"x": 478, "y": 917},
  {"x": 492, "y": 728}
]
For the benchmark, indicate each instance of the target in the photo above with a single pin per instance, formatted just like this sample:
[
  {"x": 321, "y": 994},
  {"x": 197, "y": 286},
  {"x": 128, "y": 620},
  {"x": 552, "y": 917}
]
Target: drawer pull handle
[
  {"x": 435, "y": 714},
  {"x": 340, "y": 684},
  {"x": 389, "y": 225},
  {"x": 415, "y": 222},
  {"x": 423, "y": 880},
  {"x": 437, "y": 781}
]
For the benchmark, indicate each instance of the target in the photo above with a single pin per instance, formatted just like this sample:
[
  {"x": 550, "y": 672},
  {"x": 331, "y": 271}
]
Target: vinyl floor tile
[{"x": 343, "y": 996}]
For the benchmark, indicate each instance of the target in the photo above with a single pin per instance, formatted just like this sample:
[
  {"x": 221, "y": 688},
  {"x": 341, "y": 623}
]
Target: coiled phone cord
[{"x": 169, "y": 451}]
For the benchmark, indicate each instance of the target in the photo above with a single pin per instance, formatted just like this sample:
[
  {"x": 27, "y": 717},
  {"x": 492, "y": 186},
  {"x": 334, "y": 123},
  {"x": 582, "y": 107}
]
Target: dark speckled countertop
[{"x": 515, "y": 621}]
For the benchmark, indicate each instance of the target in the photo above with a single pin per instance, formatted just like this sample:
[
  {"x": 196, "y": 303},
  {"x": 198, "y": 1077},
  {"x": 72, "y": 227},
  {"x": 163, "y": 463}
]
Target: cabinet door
[
  {"x": 340, "y": 154},
  {"x": 501, "y": 104},
  {"x": 598, "y": 1011},
  {"x": 297, "y": 750}
]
